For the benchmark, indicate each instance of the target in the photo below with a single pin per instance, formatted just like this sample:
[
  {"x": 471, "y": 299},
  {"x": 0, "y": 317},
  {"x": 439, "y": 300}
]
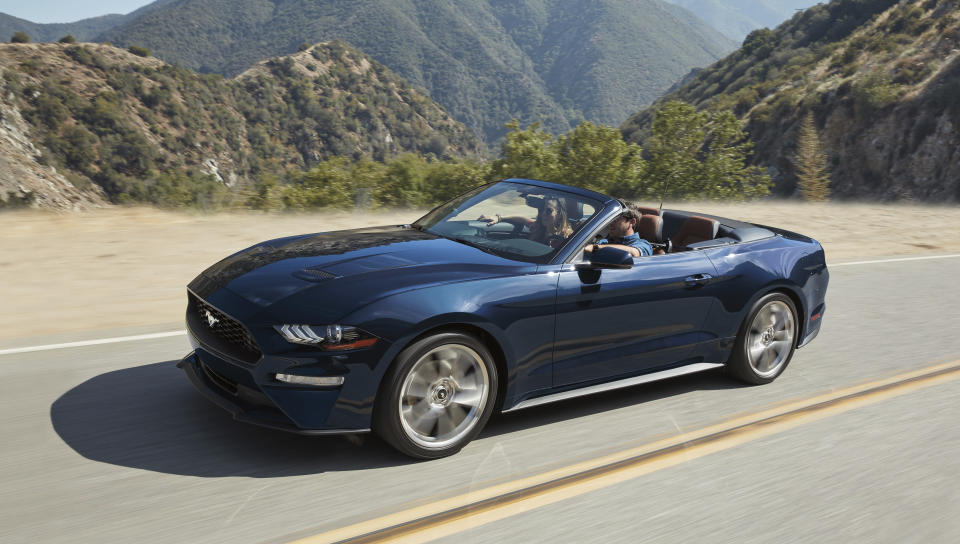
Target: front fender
[{"x": 516, "y": 311}]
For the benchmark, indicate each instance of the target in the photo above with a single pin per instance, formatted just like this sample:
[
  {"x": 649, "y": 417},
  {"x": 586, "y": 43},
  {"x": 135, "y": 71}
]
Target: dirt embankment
[{"x": 118, "y": 268}]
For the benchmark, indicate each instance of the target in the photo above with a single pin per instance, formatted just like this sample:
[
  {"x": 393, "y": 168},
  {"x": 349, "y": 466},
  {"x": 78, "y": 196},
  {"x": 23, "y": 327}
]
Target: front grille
[{"x": 220, "y": 331}]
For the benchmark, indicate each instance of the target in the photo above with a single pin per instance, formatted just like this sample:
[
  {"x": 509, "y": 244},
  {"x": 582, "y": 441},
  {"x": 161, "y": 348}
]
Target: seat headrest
[
  {"x": 650, "y": 228},
  {"x": 696, "y": 229},
  {"x": 648, "y": 211}
]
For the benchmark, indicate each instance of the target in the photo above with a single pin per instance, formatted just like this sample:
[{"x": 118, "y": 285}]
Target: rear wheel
[
  {"x": 766, "y": 341},
  {"x": 437, "y": 396}
]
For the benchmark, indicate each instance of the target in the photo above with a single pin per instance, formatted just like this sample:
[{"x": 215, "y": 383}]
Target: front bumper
[{"x": 249, "y": 405}]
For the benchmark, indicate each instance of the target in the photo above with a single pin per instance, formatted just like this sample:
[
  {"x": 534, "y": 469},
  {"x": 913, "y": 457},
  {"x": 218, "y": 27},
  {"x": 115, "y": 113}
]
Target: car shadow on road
[{"x": 149, "y": 417}]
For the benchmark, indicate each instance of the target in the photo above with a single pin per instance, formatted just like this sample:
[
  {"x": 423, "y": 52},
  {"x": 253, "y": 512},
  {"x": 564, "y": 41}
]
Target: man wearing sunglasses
[{"x": 621, "y": 234}]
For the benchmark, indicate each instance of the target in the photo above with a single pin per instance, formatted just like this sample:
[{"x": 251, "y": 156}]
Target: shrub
[
  {"x": 139, "y": 51},
  {"x": 74, "y": 147},
  {"x": 20, "y": 37},
  {"x": 15, "y": 200},
  {"x": 68, "y": 39},
  {"x": 875, "y": 92}
]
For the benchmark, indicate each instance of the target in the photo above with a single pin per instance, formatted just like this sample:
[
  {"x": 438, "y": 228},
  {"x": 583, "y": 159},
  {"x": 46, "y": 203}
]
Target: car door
[{"x": 613, "y": 323}]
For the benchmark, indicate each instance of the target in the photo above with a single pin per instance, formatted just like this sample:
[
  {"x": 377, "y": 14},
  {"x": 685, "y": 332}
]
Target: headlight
[{"x": 334, "y": 337}]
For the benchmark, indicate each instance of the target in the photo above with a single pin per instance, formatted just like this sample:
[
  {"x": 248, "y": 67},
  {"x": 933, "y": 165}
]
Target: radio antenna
[{"x": 663, "y": 194}]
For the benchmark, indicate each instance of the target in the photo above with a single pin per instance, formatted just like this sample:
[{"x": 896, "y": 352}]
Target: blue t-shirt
[{"x": 633, "y": 240}]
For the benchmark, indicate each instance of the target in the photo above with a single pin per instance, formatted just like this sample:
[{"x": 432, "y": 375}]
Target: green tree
[
  {"x": 403, "y": 182},
  {"x": 20, "y": 37},
  {"x": 596, "y": 157},
  {"x": 328, "y": 185},
  {"x": 678, "y": 134},
  {"x": 699, "y": 154},
  {"x": 724, "y": 171},
  {"x": 526, "y": 153},
  {"x": 444, "y": 180},
  {"x": 813, "y": 174},
  {"x": 68, "y": 39}
]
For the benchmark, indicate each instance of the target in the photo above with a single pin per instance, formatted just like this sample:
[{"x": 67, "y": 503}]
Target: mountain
[
  {"x": 881, "y": 78},
  {"x": 85, "y": 29},
  {"x": 486, "y": 61},
  {"x": 737, "y": 18},
  {"x": 111, "y": 124}
]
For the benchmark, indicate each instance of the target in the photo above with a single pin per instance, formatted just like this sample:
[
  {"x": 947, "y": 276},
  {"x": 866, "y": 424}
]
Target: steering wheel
[{"x": 556, "y": 241}]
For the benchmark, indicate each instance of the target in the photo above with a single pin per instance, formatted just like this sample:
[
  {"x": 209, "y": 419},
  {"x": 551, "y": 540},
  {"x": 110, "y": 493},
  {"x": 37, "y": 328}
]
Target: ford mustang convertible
[{"x": 420, "y": 332}]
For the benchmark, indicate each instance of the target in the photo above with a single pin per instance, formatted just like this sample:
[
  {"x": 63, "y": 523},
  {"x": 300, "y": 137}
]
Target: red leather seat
[
  {"x": 696, "y": 229},
  {"x": 650, "y": 228}
]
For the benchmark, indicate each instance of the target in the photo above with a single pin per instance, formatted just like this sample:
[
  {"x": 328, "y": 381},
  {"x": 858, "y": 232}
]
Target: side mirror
[{"x": 607, "y": 257}]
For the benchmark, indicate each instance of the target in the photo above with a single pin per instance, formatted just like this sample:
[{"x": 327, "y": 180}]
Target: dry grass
[{"x": 128, "y": 267}]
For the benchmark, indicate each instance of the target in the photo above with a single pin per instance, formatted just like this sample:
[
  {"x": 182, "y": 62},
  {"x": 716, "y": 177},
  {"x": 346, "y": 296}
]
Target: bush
[
  {"x": 139, "y": 51},
  {"x": 15, "y": 200},
  {"x": 86, "y": 57},
  {"x": 74, "y": 147},
  {"x": 68, "y": 39},
  {"x": 20, "y": 37},
  {"x": 875, "y": 92}
]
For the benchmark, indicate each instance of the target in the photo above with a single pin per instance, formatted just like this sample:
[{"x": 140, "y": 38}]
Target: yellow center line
[{"x": 468, "y": 510}]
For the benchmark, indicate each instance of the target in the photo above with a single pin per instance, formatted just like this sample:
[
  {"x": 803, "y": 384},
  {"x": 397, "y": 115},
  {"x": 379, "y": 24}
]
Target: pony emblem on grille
[{"x": 211, "y": 320}]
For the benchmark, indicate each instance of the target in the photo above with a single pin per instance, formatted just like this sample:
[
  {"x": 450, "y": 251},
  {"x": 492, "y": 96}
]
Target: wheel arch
[
  {"x": 471, "y": 329},
  {"x": 798, "y": 304}
]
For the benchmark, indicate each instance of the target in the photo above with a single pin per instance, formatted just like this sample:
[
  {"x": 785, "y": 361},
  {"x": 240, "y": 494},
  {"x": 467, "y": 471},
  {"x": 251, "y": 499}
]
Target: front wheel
[
  {"x": 437, "y": 396},
  {"x": 766, "y": 341}
]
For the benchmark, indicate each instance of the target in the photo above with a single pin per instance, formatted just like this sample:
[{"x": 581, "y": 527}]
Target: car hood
[{"x": 348, "y": 269}]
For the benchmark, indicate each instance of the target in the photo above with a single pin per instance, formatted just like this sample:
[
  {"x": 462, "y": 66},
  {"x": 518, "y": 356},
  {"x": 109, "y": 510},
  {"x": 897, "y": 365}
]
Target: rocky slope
[
  {"x": 882, "y": 79},
  {"x": 24, "y": 179},
  {"x": 84, "y": 123}
]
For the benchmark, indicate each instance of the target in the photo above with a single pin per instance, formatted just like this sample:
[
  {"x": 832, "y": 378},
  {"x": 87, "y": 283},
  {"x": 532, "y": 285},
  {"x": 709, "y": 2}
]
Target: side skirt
[{"x": 618, "y": 384}]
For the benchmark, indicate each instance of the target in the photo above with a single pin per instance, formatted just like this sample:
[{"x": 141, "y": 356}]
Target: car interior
[{"x": 671, "y": 231}]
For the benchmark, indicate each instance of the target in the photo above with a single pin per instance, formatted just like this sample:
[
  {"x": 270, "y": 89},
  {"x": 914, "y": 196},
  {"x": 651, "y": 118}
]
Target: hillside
[
  {"x": 83, "y": 30},
  {"x": 121, "y": 127},
  {"x": 486, "y": 61},
  {"x": 882, "y": 80}
]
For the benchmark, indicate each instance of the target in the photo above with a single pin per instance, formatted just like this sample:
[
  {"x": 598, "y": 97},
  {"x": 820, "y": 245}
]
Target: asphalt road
[{"x": 110, "y": 443}]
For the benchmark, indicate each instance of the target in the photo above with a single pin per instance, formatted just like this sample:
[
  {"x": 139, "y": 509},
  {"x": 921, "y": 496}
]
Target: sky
[{"x": 66, "y": 11}]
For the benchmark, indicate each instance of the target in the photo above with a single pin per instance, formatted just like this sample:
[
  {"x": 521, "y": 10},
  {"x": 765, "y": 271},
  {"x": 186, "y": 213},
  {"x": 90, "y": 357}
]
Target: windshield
[{"x": 513, "y": 220}]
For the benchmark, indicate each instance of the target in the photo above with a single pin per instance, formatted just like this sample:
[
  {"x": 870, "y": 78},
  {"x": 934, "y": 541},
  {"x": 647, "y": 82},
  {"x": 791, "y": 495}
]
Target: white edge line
[
  {"x": 93, "y": 342},
  {"x": 895, "y": 260},
  {"x": 184, "y": 332}
]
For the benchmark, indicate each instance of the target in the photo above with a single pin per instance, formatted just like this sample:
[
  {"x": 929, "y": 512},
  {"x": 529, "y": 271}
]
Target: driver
[
  {"x": 549, "y": 228},
  {"x": 621, "y": 234}
]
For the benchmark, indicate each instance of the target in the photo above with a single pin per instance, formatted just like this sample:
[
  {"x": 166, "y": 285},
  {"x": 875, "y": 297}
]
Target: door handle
[{"x": 697, "y": 280}]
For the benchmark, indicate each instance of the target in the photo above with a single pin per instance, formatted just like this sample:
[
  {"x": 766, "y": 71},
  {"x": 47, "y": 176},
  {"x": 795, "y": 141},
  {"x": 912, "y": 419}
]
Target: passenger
[
  {"x": 550, "y": 227},
  {"x": 622, "y": 235}
]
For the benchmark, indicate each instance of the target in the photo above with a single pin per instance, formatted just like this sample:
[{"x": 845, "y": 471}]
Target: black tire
[
  {"x": 437, "y": 395},
  {"x": 766, "y": 341}
]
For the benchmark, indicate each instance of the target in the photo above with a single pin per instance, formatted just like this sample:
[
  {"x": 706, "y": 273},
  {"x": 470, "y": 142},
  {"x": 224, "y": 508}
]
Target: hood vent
[{"x": 314, "y": 274}]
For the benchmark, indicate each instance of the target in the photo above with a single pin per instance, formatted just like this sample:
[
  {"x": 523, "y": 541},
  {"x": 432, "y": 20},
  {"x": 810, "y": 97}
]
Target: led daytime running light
[
  {"x": 335, "y": 337},
  {"x": 327, "y": 381}
]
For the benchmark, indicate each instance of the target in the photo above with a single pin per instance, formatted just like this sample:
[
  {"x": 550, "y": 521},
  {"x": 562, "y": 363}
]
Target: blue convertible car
[{"x": 419, "y": 332}]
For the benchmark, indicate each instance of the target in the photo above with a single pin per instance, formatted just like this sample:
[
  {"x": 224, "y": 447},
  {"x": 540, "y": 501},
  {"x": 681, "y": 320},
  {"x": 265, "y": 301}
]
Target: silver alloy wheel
[
  {"x": 770, "y": 338},
  {"x": 443, "y": 396}
]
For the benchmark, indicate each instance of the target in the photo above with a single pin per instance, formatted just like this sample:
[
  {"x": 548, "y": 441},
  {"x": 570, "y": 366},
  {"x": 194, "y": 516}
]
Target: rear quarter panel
[{"x": 787, "y": 262}]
